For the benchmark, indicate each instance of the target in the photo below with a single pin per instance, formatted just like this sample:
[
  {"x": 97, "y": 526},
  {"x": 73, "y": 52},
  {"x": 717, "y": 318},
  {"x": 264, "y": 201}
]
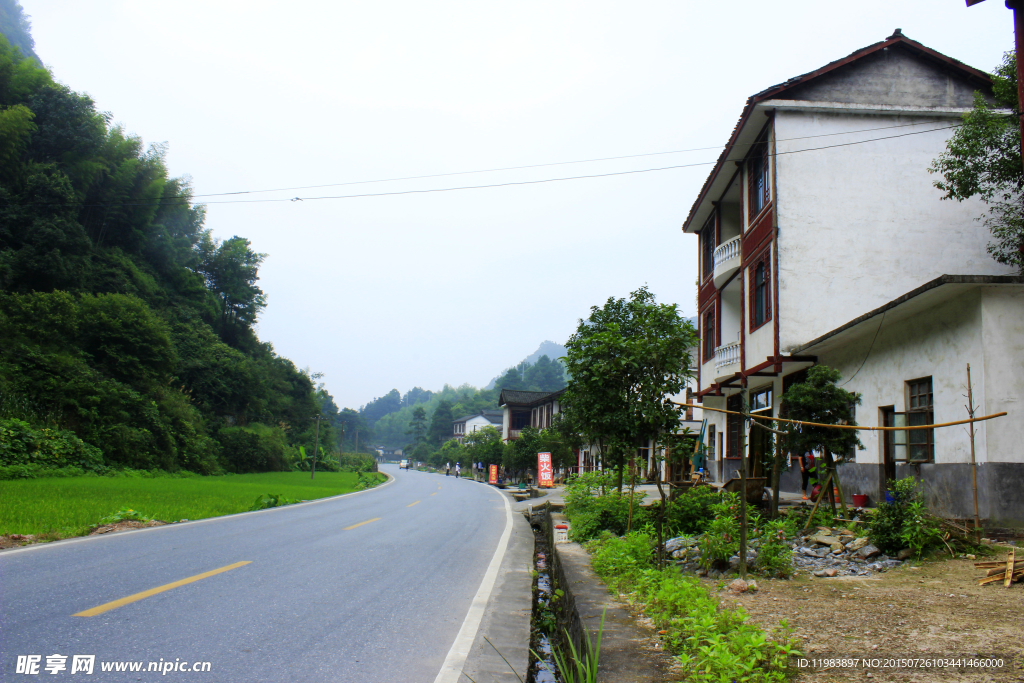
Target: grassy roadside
[
  {"x": 64, "y": 507},
  {"x": 712, "y": 642}
]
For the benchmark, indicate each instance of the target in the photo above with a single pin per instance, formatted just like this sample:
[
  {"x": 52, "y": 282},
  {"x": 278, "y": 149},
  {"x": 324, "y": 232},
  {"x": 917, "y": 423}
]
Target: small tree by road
[{"x": 625, "y": 361}]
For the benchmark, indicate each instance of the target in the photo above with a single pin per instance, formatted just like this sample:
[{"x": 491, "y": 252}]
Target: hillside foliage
[{"x": 126, "y": 329}]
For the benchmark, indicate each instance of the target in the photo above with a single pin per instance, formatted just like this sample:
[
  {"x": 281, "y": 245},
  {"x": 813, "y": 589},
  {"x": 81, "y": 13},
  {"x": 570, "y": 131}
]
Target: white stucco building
[
  {"x": 823, "y": 240},
  {"x": 465, "y": 426}
]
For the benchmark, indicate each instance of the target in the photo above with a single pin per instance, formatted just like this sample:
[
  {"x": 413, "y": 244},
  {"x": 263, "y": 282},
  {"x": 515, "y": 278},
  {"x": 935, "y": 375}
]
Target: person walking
[
  {"x": 458, "y": 470},
  {"x": 447, "y": 469},
  {"x": 808, "y": 473}
]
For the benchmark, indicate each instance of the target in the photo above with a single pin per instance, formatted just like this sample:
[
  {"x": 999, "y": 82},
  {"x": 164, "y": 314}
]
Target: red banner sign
[
  {"x": 493, "y": 477},
  {"x": 545, "y": 474}
]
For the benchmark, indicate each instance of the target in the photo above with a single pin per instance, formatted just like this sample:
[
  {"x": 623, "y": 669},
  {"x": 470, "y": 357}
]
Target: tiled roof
[{"x": 527, "y": 398}]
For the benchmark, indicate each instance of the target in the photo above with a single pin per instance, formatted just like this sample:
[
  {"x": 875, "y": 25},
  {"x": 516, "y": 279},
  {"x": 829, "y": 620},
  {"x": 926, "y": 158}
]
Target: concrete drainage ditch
[{"x": 544, "y": 622}]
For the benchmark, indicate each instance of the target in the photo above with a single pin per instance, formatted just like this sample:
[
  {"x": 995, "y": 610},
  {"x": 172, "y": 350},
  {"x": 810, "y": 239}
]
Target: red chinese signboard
[
  {"x": 493, "y": 477},
  {"x": 545, "y": 475}
]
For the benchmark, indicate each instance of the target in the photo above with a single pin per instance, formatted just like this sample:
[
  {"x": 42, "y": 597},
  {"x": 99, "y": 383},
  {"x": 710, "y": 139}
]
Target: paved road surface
[{"x": 382, "y": 601}]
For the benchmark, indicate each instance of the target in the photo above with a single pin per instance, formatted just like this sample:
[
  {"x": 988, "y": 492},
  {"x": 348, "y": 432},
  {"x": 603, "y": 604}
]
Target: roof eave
[{"x": 752, "y": 102}]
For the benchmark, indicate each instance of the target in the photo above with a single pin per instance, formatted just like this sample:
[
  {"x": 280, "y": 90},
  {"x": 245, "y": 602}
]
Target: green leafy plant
[
  {"x": 774, "y": 556},
  {"x": 905, "y": 522},
  {"x": 590, "y": 513},
  {"x": 124, "y": 515},
  {"x": 722, "y": 538},
  {"x": 270, "y": 500},
  {"x": 580, "y": 667}
]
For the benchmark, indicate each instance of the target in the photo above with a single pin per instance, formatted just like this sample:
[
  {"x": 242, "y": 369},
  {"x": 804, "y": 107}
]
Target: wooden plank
[
  {"x": 993, "y": 579},
  {"x": 981, "y": 565},
  {"x": 1009, "y": 568}
]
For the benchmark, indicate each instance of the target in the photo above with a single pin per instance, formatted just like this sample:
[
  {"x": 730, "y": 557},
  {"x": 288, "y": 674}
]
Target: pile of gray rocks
[
  {"x": 825, "y": 553},
  {"x": 837, "y": 552}
]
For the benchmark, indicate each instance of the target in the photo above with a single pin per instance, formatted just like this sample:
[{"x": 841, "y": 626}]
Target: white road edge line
[
  {"x": 451, "y": 670},
  {"x": 65, "y": 542}
]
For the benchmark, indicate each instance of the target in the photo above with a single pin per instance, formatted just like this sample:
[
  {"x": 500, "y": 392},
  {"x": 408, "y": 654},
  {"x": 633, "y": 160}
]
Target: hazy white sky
[{"x": 422, "y": 289}]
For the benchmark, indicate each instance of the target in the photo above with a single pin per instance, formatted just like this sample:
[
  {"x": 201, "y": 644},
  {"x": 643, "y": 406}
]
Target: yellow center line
[
  {"x": 411, "y": 504},
  {"x": 434, "y": 493},
  {"x": 349, "y": 528},
  {"x": 106, "y": 607}
]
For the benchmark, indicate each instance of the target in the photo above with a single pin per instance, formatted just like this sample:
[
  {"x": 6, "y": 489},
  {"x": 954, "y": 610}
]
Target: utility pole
[
  {"x": 743, "y": 491},
  {"x": 1017, "y": 6},
  {"x": 312, "y": 472}
]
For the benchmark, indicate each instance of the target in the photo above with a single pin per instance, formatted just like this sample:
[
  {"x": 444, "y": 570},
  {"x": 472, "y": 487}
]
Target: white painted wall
[
  {"x": 862, "y": 224},
  {"x": 938, "y": 342},
  {"x": 1002, "y": 315},
  {"x": 479, "y": 422}
]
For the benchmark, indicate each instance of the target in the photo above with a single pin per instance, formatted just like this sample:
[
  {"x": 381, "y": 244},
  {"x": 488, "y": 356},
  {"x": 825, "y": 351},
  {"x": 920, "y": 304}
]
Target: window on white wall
[{"x": 920, "y": 411}]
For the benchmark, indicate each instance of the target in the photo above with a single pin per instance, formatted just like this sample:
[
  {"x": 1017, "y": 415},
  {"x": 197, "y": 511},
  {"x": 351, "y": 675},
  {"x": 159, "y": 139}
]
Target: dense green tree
[
  {"x": 418, "y": 426},
  {"x": 625, "y": 361},
  {"x": 485, "y": 446},
  {"x": 440, "y": 424},
  {"x": 983, "y": 159}
]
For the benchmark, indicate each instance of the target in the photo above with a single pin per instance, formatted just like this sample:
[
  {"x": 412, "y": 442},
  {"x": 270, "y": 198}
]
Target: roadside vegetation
[
  {"x": 712, "y": 642},
  {"x": 64, "y": 507}
]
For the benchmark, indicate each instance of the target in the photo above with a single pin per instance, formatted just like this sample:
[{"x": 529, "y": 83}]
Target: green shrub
[
  {"x": 590, "y": 513},
  {"x": 903, "y": 523},
  {"x": 690, "y": 513},
  {"x": 623, "y": 558},
  {"x": 22, "y": 444},
  {"x": 774, "y": 556},
  {"x": 721, "y": 540},
  {"x": 254, "y": 448}
]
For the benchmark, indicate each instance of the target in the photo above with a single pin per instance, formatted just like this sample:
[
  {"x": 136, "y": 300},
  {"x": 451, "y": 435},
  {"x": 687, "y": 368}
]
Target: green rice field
[{"x": 68, "y": 507}]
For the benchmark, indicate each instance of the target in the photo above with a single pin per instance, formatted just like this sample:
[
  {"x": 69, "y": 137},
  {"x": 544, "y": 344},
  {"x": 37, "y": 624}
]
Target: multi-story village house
[{"x": 822, "y": 239}]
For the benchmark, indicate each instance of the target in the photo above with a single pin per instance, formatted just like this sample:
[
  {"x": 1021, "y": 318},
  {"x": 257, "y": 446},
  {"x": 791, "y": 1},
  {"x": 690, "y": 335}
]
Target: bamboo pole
[
  {"x": 828, "y": 480},
  {"x": 863, "y": 428},
  {"x": 974, "y": 464}
]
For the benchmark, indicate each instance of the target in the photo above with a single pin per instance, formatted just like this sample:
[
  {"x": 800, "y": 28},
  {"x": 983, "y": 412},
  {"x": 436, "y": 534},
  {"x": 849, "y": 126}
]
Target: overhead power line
[
  {"x": 169, "y": 201},
  {"x": 544, "y": 165}
]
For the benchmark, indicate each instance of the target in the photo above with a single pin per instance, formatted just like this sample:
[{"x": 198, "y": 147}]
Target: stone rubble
[{"x": 825, "y": 554}]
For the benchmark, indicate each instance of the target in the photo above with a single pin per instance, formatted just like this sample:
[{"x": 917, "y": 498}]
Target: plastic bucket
[
  {"x": 889, "y": 497},
  {"x": 860, "y": 500}
]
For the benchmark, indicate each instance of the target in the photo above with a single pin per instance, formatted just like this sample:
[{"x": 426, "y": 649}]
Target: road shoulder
[{"x": 506, "y": 620}]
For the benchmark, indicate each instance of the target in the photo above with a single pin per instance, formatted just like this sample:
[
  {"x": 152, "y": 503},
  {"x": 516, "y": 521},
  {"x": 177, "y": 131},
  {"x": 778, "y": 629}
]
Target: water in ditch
[{"x": 542, "y": 661}]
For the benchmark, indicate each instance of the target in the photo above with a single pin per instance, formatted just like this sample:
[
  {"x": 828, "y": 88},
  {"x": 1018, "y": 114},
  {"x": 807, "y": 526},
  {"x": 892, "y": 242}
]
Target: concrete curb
[{"x": 506, "y": 621}]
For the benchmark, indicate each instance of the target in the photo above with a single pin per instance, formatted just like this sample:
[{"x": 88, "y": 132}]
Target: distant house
[
  {"x": 471, "y": 423},
  {"x": 527, "y": 409}
]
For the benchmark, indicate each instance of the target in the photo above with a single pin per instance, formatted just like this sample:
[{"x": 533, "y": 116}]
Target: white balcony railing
[
  {"x": 727, "y": 260},
  {"x": 727, "y": 354}
]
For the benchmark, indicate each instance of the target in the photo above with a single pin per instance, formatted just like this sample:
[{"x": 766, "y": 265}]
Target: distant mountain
[
  {"x": 547, "y": 348},
  {"x": 16, "y": 27}
]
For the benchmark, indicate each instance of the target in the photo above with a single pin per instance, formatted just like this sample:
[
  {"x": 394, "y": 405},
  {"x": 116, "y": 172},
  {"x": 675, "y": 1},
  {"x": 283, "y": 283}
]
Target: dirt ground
[
  {"x": 18, "y": 540},
  {"x": 935, "y": 609}
]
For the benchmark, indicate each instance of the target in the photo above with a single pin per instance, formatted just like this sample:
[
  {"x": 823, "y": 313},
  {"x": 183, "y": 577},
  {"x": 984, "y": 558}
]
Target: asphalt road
[{"x": 321, "y": 599}]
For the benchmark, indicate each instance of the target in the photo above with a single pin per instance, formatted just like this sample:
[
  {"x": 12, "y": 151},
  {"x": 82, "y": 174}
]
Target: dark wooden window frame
[
  {"x": 920, "y": 411},
  {"x": 765, "y": 300},
  {"x": 709, "y": 332},
  {"x": 759, "y": 191},
  {"x": 708, "y": 243}
]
